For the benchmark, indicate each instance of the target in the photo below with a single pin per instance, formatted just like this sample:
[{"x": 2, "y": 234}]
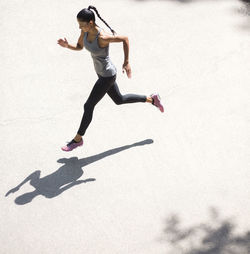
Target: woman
[{"x": 97, "y": 42}]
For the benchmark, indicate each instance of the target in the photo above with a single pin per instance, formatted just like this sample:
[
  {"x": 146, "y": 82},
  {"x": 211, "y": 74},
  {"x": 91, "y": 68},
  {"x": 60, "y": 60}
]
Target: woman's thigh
[{"x": 100, "y": 88}]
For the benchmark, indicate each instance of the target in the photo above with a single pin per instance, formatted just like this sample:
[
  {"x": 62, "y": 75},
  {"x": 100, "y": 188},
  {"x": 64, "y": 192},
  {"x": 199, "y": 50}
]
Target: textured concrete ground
[{"x": 144, "y": 182}]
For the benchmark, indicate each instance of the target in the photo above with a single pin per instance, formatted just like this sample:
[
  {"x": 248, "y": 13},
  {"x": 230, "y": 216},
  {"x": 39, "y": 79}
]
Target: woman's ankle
[
  {"x": 78, "y": 138},
  {"x": 149, "y": 99}
]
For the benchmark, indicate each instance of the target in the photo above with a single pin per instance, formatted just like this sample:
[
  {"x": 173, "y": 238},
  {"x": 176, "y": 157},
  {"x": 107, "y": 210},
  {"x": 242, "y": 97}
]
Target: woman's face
[{"x": 85, "y": 26}]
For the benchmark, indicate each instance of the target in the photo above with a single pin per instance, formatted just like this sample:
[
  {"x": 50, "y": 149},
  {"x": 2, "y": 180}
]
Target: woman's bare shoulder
[{"x": 105, "y": 34}]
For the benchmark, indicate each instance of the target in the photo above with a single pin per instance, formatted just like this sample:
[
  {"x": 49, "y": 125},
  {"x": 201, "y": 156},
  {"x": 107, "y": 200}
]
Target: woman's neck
[{"x": 93, "y": 31}]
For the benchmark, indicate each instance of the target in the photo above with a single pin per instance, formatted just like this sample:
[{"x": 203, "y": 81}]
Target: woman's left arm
[{"x": 106, "y": 39}]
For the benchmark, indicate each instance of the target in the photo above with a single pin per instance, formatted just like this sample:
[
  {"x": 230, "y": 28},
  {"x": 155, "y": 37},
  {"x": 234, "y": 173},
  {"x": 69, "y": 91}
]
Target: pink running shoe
[
  {"x": 72, "y": 145},
  {"x": 157, "y": 102}
]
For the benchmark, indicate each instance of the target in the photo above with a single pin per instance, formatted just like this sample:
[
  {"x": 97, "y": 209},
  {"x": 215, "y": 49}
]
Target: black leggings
[{"x": 101, "y": 87}]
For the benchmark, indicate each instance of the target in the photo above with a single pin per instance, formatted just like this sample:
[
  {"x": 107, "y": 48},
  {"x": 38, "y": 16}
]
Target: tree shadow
[
  {"x": 178, "y": 1},
  {"x": 216, "y": 236},
  {"x": 244, "y": 11},
  {"x": 65, "y": 177}
]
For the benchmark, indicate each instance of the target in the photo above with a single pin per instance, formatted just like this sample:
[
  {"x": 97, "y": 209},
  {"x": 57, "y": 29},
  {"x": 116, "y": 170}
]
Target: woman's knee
[
  {"x": 118, "y": 101},
  {"x": 88, "y": 106}
]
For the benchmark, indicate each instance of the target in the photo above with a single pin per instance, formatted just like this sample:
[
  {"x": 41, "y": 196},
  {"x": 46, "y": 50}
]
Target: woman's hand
[
  {"x": 126, "y": 67},
  {"x": 64, "y": 43}
]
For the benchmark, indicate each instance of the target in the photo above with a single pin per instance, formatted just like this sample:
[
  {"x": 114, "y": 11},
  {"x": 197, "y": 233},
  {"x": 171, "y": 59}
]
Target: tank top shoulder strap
[
  {"x": 99, "y": 31},
  {"x": 85, "y": 36}
]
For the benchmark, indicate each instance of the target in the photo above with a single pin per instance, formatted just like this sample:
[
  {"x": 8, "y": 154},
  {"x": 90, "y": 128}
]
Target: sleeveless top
[{"x": 102, "y": 63}]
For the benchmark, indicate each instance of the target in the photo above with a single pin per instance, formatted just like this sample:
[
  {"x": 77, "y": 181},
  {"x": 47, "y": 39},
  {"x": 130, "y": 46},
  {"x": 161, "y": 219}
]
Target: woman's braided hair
[{"x": 88, "y": 14}]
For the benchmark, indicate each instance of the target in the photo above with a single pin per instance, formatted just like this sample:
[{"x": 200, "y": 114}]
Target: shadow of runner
[
  {"x": 65, "y": 177},
  {"x": 216, "y": 236}
]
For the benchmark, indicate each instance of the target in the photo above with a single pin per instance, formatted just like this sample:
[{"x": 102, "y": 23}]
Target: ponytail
[{"x": 93, "y": 8}]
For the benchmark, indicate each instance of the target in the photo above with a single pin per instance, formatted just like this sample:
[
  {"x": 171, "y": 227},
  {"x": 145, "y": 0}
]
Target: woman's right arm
[{"x": 79, "y": 46}]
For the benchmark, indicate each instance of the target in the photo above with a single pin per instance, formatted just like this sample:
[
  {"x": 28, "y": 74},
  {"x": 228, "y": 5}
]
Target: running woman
[{"x": 97, "y": 41}]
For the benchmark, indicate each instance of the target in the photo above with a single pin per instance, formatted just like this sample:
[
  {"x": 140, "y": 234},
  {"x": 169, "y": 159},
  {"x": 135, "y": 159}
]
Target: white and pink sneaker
[
  {"x": 72, "y": 145},
  {"x": 157, "y": 102}
]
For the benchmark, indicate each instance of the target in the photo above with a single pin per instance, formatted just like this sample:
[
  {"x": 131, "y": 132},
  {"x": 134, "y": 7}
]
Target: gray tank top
[{"x": 102, "y": 63}]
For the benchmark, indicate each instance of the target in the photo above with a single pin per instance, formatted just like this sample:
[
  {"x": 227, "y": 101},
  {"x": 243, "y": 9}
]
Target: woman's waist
[
  {"x": 104, "y": 66},
  {"x": 101, "y": 56},
  {"x": 102, "y": 59}
]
